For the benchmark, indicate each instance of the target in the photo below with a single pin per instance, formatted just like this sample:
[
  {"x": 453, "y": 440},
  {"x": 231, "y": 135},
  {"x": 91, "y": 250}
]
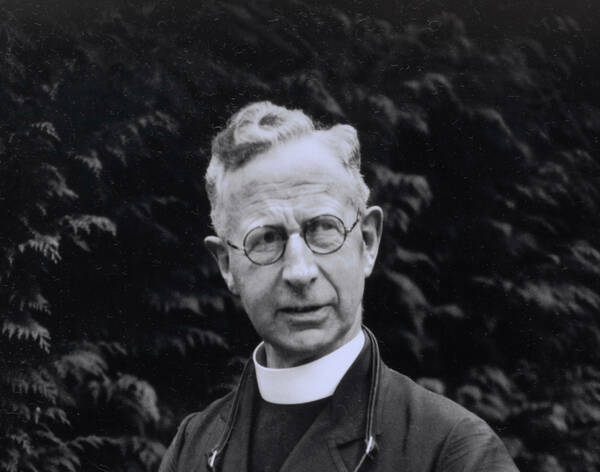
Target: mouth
[
  {"x": 301, "y": 309},
  {"x": 305, "y": 314}
]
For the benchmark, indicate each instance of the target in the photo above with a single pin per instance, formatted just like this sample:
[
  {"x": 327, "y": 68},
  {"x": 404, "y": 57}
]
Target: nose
[{"x": 299, "y": 269}]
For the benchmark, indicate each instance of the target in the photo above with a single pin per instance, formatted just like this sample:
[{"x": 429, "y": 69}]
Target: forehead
[{"x": 295, "y": 176}]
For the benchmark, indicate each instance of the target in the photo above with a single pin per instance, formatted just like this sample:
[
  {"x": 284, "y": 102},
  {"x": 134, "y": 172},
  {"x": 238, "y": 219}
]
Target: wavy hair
[{"x": 258, "y": 127}]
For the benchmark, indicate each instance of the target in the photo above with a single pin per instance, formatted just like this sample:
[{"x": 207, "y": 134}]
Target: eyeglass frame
[{"x": 347, "y": 231}]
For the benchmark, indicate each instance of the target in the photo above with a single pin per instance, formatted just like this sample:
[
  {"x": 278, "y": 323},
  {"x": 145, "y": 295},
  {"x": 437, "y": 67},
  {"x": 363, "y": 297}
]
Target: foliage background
[{"x": 480, "y": 131}]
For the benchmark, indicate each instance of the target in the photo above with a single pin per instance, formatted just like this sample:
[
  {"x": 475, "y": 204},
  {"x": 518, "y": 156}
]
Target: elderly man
[{"x": 295, "y": 243}]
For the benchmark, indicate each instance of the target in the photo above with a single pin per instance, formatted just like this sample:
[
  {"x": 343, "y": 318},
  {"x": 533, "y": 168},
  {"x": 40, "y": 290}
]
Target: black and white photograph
[{"x": 299, "y": 235}]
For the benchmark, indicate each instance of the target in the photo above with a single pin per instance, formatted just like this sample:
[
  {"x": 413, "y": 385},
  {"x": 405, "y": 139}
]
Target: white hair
[{"x": 258, "y": 127}]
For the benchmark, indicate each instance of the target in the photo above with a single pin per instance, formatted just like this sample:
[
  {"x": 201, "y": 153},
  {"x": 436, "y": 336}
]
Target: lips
[
  {"x": 301, "y": 309},
  {"x": 304, "y": 316}
]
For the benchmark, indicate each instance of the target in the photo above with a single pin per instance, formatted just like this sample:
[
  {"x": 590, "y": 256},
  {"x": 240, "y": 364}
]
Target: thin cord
[
  {"x": 212, "y": 458},
  {"x": 370, "y": 443}
]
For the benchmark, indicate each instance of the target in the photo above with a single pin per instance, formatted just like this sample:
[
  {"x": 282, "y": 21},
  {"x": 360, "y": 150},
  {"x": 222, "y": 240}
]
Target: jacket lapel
[
  {"x": 335, "y": 440},
  {"x": 236, "y": 453}
]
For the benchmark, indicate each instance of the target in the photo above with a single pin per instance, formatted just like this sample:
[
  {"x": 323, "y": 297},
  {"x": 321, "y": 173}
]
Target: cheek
[
  {"x": 254, "y": 289},
  {"x": 349, "y": 279},
  {"x": 354, "y": 288}
]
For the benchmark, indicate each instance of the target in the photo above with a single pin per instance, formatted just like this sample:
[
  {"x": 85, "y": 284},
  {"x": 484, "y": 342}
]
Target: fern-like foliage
[
  {"x": 27, "y": 330},
  {"x": 46, "y": 368}
]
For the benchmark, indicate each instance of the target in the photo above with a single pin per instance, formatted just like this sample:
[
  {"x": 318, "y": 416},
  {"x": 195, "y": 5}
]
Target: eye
[
  {"x": 325, "y": 232},
  {"x": 263, "y": 239},
  {"x": 324, "y": 224}
]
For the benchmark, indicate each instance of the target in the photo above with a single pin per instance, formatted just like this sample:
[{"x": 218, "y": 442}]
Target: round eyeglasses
[{"x": 323, "y": 234}]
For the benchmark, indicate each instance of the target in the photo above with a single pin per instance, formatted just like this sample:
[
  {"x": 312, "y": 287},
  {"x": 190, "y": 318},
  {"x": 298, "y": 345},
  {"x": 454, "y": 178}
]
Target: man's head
[{"x": 301, "y": 278}]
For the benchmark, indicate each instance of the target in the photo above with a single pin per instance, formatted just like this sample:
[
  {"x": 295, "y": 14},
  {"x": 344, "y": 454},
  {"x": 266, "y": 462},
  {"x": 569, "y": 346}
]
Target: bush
[{"x": 484, "y": 155}]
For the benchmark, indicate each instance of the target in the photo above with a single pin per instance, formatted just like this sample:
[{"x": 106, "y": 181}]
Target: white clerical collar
[{"x": 307, "y": 382}]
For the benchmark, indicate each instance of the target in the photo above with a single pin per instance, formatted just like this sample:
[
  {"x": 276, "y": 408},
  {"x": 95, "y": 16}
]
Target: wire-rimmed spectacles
[{"x": 323, "y": 234}]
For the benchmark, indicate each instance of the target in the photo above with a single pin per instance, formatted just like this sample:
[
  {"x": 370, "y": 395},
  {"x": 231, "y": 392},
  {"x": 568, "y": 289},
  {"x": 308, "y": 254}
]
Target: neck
[{"x": 277, "y": 359}]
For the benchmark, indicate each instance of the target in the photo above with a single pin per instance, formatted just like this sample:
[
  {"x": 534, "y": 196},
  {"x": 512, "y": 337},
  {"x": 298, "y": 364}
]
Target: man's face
[{"x": 304, "y": 305}]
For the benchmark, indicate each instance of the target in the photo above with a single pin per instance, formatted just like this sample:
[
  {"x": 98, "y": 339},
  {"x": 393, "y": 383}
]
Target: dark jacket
[{"x": 414, "y": 429}]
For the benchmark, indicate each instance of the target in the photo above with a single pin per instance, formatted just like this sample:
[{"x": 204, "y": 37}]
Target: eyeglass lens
[{"x": 323, "y": 235}]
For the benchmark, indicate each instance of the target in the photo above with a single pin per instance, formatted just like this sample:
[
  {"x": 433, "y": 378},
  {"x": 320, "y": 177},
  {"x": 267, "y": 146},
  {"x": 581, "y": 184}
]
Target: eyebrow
[{"x": 303, "y": 222}]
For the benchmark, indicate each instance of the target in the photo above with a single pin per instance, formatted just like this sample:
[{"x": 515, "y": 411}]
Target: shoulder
[
  {"x": 435, "y": 432},
  {"x": 197, "y": 433},
  {"x": 417, "y": 403},
  {"x": 214, "y": 412}
]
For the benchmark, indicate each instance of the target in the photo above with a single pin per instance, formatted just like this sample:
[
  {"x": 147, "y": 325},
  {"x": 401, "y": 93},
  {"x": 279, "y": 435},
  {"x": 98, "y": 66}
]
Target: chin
[{"x": 310, "y": 344}]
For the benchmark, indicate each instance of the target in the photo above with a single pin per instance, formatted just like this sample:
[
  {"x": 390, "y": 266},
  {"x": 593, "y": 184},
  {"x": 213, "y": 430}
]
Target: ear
[
  {"x": 218, "y": 248},
  {"x": 371, "y": 227}
]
